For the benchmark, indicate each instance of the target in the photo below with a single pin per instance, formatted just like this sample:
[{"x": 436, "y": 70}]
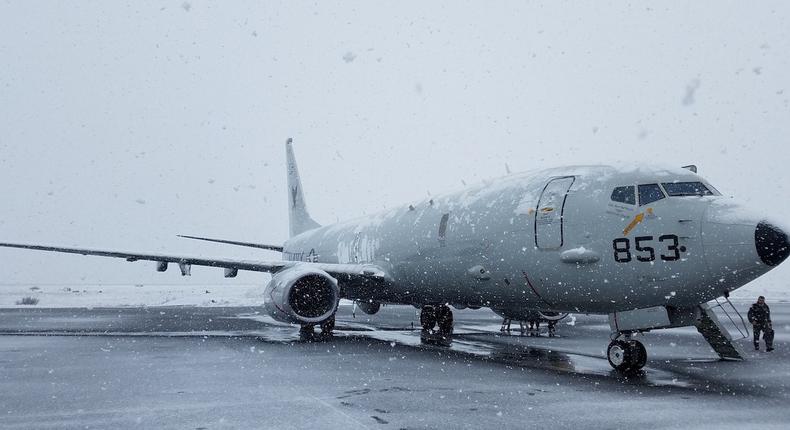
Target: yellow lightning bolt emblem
[{"x": 637, "y": 219}]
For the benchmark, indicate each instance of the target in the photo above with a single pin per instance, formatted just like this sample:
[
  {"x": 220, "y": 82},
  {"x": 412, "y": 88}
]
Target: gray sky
[{"x": 125, "y": 123}]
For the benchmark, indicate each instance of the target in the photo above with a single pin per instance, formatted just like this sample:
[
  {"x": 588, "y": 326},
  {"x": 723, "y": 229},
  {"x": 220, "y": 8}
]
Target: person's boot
[{"x": 756, "y": 347}]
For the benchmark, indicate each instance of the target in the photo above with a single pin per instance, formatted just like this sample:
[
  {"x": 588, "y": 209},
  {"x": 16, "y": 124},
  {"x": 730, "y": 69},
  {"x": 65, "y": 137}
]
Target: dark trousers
[{"x": 768, "y": 335}]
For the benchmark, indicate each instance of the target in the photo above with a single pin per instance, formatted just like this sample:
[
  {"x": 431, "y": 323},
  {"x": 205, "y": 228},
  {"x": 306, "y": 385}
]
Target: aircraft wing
[{"x": 347, "y": 272}]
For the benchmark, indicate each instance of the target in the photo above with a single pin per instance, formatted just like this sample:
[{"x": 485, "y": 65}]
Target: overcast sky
[{"x": 125, "y": 123}]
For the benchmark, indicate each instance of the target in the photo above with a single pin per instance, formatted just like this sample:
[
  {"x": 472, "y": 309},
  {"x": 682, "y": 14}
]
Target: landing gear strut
[
  {"x": 433, "y": 315},
  {"x": 307, "y": 331},
  {"x": 328, "y": 326},
  {"x": 626, "y": 355}
]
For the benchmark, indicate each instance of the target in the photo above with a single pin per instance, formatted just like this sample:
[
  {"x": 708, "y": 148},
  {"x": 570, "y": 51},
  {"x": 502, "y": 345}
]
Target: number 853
[{"x": 644, "y": 250}]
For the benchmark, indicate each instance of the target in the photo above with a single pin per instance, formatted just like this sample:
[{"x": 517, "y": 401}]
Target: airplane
[{"x": 649, "y": 247}]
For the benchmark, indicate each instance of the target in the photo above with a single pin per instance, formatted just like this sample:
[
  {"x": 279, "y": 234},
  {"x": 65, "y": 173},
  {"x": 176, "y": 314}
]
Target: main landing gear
[
  {"x": 626, "y": 355},
  {"x": 307, "y": 331},
  {"x": 437, "y": 315}
]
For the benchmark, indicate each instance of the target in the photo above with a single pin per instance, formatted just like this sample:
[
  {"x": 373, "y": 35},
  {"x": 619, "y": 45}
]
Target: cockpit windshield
[
  {"x": 649, "y": 193},
  {"x": 624, "y": 195},
  {"x": 682, "y": 189}
]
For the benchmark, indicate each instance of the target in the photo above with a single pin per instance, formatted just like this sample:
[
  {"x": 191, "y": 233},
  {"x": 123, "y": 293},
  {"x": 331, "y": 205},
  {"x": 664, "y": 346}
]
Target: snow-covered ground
[
  {"x": 113, "y": 296},
  {"x": 95, "y": 296},
  {"x": 201, "y": 367},
  {"x": 81, "y": 296}
]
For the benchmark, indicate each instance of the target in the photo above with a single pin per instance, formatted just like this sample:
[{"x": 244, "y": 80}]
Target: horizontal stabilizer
[{"x": 233, "y": 242}]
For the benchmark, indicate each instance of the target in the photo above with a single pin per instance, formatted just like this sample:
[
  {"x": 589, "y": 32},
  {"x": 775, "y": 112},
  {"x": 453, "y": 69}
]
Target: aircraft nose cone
[{"x": 772, "y": 243}]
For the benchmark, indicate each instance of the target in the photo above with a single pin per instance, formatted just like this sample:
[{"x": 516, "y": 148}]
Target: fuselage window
[
  {"x": 624, "y": 195},
  {"x": 682, "y": 189},
  {"x": 649, "y": 193}
]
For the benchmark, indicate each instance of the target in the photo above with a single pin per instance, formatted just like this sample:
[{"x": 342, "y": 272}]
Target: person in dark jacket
[{"x": 760, "y": 317}]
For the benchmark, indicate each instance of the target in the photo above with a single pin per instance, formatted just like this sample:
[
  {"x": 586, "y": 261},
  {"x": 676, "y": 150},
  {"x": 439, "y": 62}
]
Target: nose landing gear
[{"x": 626, "y": 355}]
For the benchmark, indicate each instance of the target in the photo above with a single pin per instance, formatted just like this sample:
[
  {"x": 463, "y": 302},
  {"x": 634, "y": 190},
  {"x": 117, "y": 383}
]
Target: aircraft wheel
[
  {"x": 640, "y": 356},
  {"x": 619, "y": 355},
  {"x": 428, "y": 317},
  {"x": 444, "y": 317},
  {"x": 328, "y": 326},
  {"x": 626, "y": 356},
  {"x": 306, "y": 331}
]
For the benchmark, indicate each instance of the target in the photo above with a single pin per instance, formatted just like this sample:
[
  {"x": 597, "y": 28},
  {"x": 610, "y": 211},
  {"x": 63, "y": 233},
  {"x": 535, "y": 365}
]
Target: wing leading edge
[{"x": 348, "y": 272}]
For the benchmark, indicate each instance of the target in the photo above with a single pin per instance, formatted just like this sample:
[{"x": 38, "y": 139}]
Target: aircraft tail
[{"x": 299, "y": 219}]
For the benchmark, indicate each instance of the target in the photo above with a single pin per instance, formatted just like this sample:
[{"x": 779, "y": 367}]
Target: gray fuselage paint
[{"x": 491, "y": 229}]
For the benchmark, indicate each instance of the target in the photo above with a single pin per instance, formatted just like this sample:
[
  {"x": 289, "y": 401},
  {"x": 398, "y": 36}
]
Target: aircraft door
[{"x": 549, "y": 214}]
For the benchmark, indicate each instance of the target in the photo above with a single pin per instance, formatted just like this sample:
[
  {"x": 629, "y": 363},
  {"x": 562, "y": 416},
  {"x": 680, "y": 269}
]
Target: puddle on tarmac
[{"x": 520, "y": 355}]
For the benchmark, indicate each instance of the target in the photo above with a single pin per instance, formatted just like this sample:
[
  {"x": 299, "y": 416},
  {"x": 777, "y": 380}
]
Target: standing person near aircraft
[{"x": 760, "y": 317}]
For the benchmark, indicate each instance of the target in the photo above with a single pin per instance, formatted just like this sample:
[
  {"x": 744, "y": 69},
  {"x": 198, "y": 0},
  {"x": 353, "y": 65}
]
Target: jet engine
[
  {"x": 301, "y": 295},
  {"x": 368, "y": 306}
]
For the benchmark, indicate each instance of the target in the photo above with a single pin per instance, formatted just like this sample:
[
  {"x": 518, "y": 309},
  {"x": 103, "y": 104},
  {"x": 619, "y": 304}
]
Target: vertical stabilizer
[{"x": 298, "y": 218}]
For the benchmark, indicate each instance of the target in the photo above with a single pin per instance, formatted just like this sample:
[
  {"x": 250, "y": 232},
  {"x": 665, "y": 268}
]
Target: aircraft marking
[
  {"x": 622, "y": 248},
  {"x": 535, "y": 291},
  {"x": 637, "y": 219},
  {"x": 294, "y": 192}
]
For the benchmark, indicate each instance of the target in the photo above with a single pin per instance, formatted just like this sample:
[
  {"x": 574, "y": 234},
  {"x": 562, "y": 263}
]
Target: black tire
[
  {"x": 328, "y": 326},
  {"x": 306, "y": 331},
  {"x": 428, "y": 317},
  {"x": 639, "y": 356},
  {"x": 626, "y": 356},
  {"x": 619, "y": 353},
  {"x": 444, "y": 319}
]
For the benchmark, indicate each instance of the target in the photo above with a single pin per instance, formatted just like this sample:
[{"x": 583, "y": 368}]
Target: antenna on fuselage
[{"x": 691, "y": 167}]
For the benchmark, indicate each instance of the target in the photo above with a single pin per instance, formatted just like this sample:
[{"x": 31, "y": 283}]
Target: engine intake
[{"x": 301, "y": 295}]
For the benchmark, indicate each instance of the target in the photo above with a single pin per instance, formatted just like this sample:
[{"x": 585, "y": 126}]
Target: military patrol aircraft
[{"x": 647, "y": 246}]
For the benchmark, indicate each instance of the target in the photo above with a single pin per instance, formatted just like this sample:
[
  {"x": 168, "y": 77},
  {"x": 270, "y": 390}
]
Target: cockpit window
[
  {"x": 624, "y": 195},
  {"x": 649, "y": 193},
  {"x": 680, "y": 189}
]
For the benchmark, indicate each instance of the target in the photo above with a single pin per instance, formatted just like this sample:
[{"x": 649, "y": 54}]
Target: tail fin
[{"x": 298, "y": 218}]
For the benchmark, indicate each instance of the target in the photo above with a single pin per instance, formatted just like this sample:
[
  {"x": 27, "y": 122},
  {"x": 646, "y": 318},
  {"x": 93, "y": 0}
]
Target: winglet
[{"x": 299, "y": 219}]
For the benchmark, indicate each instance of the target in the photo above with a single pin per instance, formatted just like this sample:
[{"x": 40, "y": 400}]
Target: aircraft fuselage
[{"x": 553, "y": 240}]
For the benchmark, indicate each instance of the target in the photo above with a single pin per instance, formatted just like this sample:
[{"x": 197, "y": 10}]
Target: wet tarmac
[{"x": 208, "y": 368}]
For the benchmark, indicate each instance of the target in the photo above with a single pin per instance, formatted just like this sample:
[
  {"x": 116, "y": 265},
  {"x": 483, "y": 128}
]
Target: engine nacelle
[
  {"x": 369, "y": 307},
  {"x": 552, "y": 316},
  {"x": 301, "y": 295}
]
